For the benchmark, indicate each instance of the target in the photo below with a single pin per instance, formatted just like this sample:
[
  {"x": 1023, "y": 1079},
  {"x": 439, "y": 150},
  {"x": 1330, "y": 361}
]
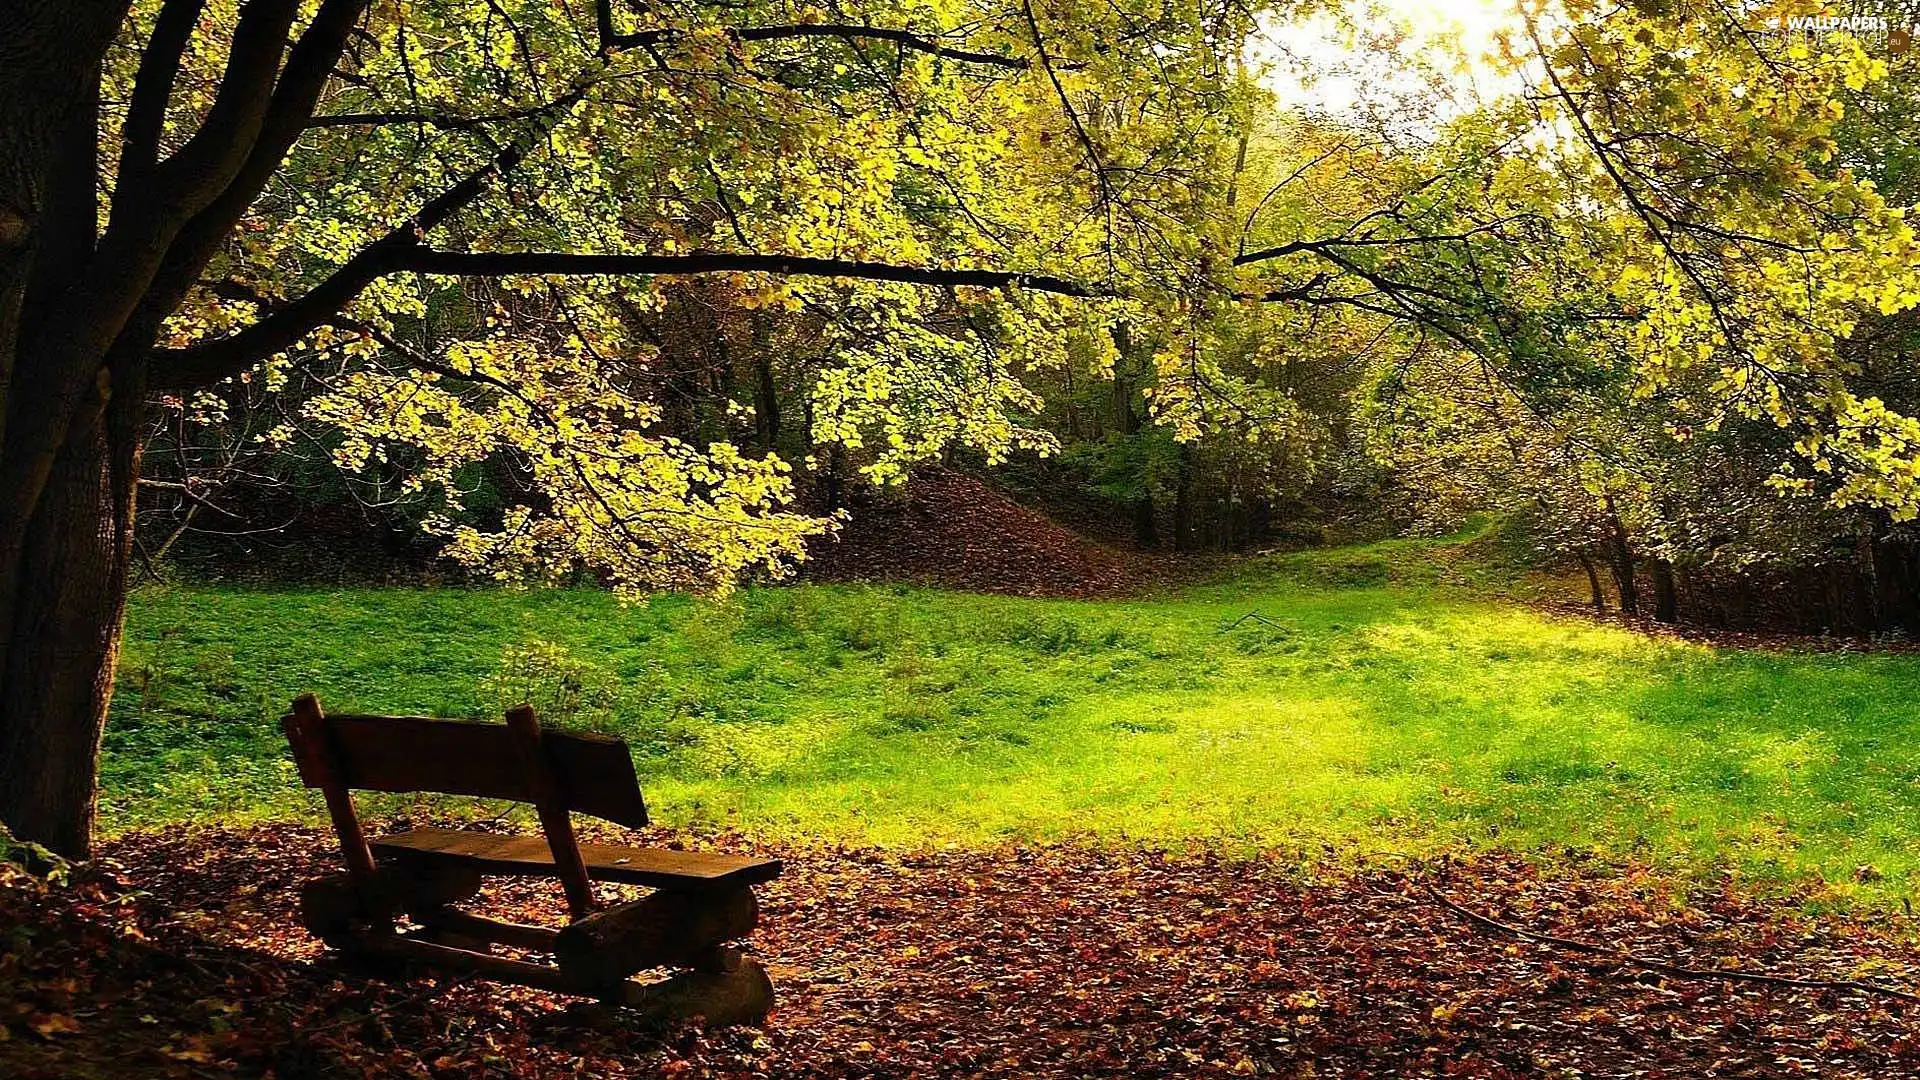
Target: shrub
[{"x": 564, "y": 690}]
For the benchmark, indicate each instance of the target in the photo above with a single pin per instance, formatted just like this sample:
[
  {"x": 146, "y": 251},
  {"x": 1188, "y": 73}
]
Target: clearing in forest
[{"x": 1359, "y": 701}]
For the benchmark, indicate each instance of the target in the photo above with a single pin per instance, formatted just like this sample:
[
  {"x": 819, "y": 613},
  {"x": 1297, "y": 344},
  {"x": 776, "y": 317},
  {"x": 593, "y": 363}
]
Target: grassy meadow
[{"x": 1370, "y": 704}]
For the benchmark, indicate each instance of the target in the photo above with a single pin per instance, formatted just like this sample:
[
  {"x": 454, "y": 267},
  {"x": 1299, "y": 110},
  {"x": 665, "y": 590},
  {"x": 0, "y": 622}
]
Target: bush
[{"x": 564, "y": 690}]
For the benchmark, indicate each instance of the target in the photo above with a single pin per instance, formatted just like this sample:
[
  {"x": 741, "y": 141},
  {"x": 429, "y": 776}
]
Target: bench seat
[{"x": 529, "y": 856}]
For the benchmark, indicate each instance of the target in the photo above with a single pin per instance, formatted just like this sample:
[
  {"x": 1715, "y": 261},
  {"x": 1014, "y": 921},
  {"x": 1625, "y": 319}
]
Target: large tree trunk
[
  {"x": 70, "y": 594},
  {"x": 66, "y": 501}
]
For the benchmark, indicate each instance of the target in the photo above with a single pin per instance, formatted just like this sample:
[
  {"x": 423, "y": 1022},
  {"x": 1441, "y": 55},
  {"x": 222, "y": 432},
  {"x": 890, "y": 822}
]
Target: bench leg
[
  {"x": 728, "y": 987},
  {"x": 335, "y": 906},
  {"x": 735, "y": 991},
  {"x": 454, "y": 939}
]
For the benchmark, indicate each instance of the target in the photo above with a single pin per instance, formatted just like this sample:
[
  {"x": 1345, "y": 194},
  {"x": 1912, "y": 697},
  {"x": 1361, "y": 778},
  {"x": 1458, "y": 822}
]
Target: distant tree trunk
[
  {"x": 1145, "y": 533},
  {"x": 1127, "y": 423},
  {"x": 766, "y": 405},
  {"x": 1742, "y": 614},
  {"x": 1666, "y": 605},
  {"x": 834, "y": 456},
  {"x": 1620, "y": 557},
  {"x": 1893, "y": 574},
  {"x": 1259, "y": 521},
  {"x": 1183, "y": 501},
  {"x": 1867, "y": 587},
  {"x": 1593, "y": 580}
]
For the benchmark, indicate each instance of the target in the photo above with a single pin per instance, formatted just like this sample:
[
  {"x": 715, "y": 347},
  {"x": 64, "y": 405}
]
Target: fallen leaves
[
  {"x": 48, "y": 1025},
  {"x": 1050, "y": 962},
  {"x": 953, "y": 530}
]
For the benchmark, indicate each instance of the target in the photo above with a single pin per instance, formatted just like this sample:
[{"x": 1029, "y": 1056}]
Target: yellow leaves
[
  {"x": 1865, "y": 70},
  {"x": 645, "y": 511}
]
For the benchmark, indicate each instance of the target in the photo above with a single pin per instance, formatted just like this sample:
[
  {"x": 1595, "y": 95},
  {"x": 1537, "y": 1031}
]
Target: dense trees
[
  {"x": 1739, "y": 417},
  {"x": 198, "y": 191},
  {"x": 581, "y": 285}
]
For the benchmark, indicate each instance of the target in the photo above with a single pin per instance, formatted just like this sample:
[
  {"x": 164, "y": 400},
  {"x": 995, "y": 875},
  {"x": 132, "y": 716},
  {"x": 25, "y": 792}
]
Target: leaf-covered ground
[
  {"x": 955, "y": 531},
  {"x": 184, "y": 960}
]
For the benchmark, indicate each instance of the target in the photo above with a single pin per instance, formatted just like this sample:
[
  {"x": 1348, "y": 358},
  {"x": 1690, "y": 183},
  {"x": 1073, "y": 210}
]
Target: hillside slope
[{"x": 955, "y": 531}]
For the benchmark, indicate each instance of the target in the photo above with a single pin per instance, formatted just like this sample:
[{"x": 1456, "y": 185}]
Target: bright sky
[{"x": 1318, "y": 65}]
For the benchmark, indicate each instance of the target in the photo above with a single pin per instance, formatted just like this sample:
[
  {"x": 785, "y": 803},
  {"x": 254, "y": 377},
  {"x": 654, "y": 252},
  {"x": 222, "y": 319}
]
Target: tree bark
[
  {"x": 1620, "y": 558},
  {"x": 68, "y": 458},
  {"x": 1593, "y": 581},
  {"x": 1666, "y": 604},
  {"x": 70, "y": 592}
]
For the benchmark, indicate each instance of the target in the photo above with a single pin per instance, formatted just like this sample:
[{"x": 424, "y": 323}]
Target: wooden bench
[{"x": 701, "y": 900}]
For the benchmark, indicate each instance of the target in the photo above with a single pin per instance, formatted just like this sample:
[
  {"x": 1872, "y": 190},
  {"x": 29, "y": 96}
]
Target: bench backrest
[
  {"x": 591, "y": 774},
  {"x": 557, "y": 771}
]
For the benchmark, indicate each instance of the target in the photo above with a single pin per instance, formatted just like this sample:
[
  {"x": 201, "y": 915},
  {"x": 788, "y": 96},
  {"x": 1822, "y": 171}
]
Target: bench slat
[
  {"x": 464, "y": 757},
  {"x": 528, "y": 856}
]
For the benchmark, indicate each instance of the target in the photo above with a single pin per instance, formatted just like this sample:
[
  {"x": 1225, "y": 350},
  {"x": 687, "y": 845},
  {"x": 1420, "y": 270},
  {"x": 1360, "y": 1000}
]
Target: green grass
[{"x": 1375, "y": 709}]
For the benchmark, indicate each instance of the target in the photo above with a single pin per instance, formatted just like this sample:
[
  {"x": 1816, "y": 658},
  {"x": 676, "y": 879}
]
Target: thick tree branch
[
  {"x": 293, "y": 100},
  {"x": 153, "y": 87},
  {"x": 199, "y": 171},
  {"x": 611, "y": 40},
  {"x": 399, "y": 251},
  {"x": 287, "y": 114},
  {"x": 209, "y": 362},
  {"x": 495, "y": 264}
]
